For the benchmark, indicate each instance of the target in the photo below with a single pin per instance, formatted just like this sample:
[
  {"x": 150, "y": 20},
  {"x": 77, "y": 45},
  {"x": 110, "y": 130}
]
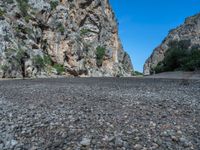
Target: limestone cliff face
[
  {"x": 69, "y": 37},
  {"x": 190, "y": 30}
]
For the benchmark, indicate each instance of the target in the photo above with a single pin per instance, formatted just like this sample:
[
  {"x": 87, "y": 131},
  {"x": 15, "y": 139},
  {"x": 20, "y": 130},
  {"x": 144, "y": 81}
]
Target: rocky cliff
[
  {"x": 190, "y": 30},
  {"x": 60, "y": 37}
]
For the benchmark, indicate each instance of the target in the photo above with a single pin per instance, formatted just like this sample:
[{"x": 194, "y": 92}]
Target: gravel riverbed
[{"x": 100, "y": 113}]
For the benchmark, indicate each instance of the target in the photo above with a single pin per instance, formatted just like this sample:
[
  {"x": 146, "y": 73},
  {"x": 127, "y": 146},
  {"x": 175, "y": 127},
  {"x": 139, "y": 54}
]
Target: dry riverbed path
[{"x": 100, "y": 113}]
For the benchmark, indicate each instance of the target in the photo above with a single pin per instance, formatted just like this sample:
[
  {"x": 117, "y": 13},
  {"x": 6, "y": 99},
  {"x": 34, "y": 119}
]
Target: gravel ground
[{"x": 100, "y": 113}]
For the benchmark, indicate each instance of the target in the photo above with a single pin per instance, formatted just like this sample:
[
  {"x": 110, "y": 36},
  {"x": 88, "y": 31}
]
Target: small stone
[
  {"x": 13, "y": 142},
  {"x": 158, "y": 141},
  {"x": 138, "y": 147},
  {"x": 185, "y": 142},
  {"x": 164, "y": 133},
  {"x": 118, "y": 142},
  {"x": 179, "y": 132},
  {"x": 125, "y": 144},
  {"x": 155, "y": 146},
  {"x": 34, "y": 148},
  {"x": 111, "y": 139},
  {"x": 137, "y": 138},
  {"x": 152, "y": 124},
  {"x": 1, "y": 146},
  {"x": 174, "y": 138},
  {"x": 85, "y": 142}
]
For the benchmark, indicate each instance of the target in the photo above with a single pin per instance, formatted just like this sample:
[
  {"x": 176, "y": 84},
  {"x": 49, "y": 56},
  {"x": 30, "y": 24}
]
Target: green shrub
[
  {"x": 42, "y": 62},
  {"x": 84, "y": 31},
  {"x": 59, "y": 68},
  {"x": 1, "y": 13},
  {"x": 27, "y": 30},
  {"x": 21, "y": 54},
  {"x": 4, "y": 68},
  {"x": 38, "y": 61},
  {"x": 10, "y": 1},
  {"x": 54, "y": 4},
  {"x": 192, "y": 61},
  {"x": 137, "y": 73},
  {"x": 100, "y": 53},
  {"x": 47, "y": 60},
  {"x": 24, "y": 30},
  {"x": 27, "y": 18},
  {"x": 179, "y": 57},
  {"x": 61, "y": 28},
  {"x": 23, "y": 6}
]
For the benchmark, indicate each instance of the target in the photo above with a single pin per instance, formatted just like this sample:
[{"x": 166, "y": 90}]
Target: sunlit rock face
[
  {"x": 190, "y": 30},
  {"x": 41, "y": 38}
]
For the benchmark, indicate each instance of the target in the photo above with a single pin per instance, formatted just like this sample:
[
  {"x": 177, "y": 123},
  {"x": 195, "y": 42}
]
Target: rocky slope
[
  {"x": 67, "y": 37},
  {"x": 190, "y": 30}
]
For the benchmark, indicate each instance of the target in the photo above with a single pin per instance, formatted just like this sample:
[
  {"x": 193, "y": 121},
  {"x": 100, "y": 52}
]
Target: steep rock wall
[{"x": 42, "y": 38}]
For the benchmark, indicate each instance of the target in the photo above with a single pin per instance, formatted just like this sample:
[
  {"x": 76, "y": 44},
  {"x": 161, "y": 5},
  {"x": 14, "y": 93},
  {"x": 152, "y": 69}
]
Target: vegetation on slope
[
  {"x": 180, "y": 57},
  {"x": 100, "y": 52},
  {"x": 137, "y": 73}
]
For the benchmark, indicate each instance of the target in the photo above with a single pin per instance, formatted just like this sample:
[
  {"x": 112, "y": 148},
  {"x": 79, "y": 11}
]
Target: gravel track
[{"x": 100, "y": 113}]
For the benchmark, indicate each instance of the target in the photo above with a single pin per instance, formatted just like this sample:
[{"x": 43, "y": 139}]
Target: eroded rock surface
[{"x": 41, "y": 37}]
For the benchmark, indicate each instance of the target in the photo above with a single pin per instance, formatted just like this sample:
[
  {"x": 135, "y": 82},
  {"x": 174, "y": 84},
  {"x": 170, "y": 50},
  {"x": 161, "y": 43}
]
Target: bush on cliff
[
  {"x": 180, "y": 57},
  {"x": 38, "y": 61},
  {"x": 23, "y": 6},
  {"x": 54, "y": 4},
  {"x": 100, "y": 52},
  {"x": 59, "y": 68}
]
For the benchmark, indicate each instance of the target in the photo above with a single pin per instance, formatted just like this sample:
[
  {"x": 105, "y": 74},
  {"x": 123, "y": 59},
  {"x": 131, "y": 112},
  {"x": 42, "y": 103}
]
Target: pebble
[
  {"x": 138, "y": 147},
  {"x": 1, "y": 146},
  {"x": 174, "y": 138},
  {"x": 13, "y": 142},
  {"x": 152, "y": 124},
  {"x": 154, "y": 146},
  {"x": 85, "y": 142},
  {"x": 185, "y": 142},
  {"x": 118, "y": 142}
]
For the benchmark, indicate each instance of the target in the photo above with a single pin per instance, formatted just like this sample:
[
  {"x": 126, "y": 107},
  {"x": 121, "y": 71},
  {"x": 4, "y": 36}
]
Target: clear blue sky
[{"x": 143, "y": 24}]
